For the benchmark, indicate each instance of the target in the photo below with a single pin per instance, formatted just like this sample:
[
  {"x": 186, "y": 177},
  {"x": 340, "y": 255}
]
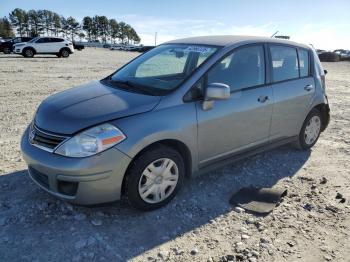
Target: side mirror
[
  {"x": 215, "y": 91},
  {"x": 325, "y": 72}
]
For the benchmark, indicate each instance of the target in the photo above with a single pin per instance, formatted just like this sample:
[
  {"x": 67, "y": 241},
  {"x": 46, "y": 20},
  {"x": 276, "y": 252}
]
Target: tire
[
  {"x": 64, "y": 53},
  {"x": 151, "y": 184},
  {"x": 28, "y": 52},
  {"x": 7, "y": 50},
  {"x": 307, "y": 138}
]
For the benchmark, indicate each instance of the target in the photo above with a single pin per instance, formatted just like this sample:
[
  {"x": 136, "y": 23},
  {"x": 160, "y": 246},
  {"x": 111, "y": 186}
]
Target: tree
[
  {"x": 73, "y": 27},
  {"x": 134, "y": 36},
  {"x": 88, "y": 26},
  {"x": 114, "y": 29},
  {"x": 122, "y": 31},
  {"x": 18, "y": 18},
  {"x": 35, "y": 23},
  {"x": 81, "y": 36},
  {"x": 46, "y": 22},
  {"x": 57, "y": 26},
  {"x": 64, "y": 26},
  {"x": 6, "y": 28},
  {"x": 103, "y": 27}
]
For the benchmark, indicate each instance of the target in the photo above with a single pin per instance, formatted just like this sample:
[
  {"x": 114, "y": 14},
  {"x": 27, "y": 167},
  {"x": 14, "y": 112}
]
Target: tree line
[{"x": 45, "y": 22}]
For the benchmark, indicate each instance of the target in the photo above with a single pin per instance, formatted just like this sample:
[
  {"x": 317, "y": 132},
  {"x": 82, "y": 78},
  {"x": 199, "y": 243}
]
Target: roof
[{"x": 227, "y": 40}]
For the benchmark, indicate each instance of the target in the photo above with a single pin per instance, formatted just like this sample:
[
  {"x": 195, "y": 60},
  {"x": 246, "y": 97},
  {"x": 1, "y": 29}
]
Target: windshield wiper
[{"x": 131, "y": 86}]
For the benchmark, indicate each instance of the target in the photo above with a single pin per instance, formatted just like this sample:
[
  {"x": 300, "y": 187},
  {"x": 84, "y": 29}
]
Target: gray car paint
[
  {"x": 231, "y": 126},
  {"x": 75, "y": 109}
]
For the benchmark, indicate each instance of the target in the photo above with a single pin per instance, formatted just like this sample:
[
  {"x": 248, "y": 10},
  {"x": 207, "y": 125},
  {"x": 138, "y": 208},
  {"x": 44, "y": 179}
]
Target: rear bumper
[{"x": 85, "y": 181}]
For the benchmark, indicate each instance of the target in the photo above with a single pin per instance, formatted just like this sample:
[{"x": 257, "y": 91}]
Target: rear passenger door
[
  {"x": 293, "y": 89},
  {"x": 42, "y": 45},
  {"x": 56, "y": 44},
  {"x": 242, "y": 121}
]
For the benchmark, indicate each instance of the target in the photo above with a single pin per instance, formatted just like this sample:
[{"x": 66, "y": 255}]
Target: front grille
[
  {"x": 39, "y": 177},
  {"x": 44, "y": 139}
]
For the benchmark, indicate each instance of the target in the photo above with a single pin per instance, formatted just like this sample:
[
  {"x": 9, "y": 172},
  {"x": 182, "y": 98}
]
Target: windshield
[
  {"x": 34, "y": 39},
  {"x": 162, "y": 69}
]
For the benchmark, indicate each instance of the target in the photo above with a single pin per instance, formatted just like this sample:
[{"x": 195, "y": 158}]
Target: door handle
[
  {"x": 263, "y": 99},
  {"x": 308, "y": 88}
]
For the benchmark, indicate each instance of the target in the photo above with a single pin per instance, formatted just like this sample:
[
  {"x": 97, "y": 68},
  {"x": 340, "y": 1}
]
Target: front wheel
[
  {"x": 28, "y": 53},
  {"x": 310, "y": 130},
  {"x": 154, "y": 178}
]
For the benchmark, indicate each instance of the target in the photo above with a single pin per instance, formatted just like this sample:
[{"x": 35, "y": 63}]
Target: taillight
[{"x": 70, "y": 44}]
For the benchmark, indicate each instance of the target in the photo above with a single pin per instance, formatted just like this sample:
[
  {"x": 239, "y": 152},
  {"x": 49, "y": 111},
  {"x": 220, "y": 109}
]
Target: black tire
[
  {"x": 28, "y": 52},
  {"x": 64, "y": 53},
  {"x": 7, "y": 50},
  {"x": 301, "y": 143},
  {"x": 138, "y": 166}
]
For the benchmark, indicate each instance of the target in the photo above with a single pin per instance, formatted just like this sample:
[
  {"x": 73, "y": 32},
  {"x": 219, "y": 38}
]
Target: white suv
[{"x": 45, "y": 45}]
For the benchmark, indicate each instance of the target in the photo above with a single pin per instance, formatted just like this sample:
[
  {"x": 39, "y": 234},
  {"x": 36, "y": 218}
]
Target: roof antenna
[{"x": 274, "y": 34}]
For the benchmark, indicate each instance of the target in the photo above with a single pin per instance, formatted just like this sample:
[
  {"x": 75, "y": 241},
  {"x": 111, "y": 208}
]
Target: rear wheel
[
  {"x": 64, "y": 53},
  {"x": 154, "y": 178},
  {"x": 310, "y": 130},
  {"x": 28, "y": 52},
  {"x": 7, "y": 50}
]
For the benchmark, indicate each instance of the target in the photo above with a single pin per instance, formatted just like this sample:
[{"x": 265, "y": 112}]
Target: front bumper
[
  {"x": 85, "y": 181},
  {"x": 17, "y": 50}
]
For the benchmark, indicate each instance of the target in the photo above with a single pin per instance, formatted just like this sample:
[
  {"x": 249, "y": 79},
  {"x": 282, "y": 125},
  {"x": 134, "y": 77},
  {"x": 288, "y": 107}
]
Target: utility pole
[{"x": 155, "y": 39}]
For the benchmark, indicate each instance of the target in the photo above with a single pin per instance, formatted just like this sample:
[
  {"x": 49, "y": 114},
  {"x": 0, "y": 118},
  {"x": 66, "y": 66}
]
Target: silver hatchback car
[{"x": 180, "y": 109}]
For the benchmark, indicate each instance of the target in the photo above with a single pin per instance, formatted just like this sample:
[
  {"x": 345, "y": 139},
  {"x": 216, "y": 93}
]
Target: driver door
[{"x": 243, "y": 120}]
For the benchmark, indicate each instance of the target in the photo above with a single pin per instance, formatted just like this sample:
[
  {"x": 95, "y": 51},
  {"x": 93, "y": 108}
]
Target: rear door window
[
  {"x": 284, "y": 63},
  {"x": 244, "y": 68},
  {"x": 303, "y": 62}
]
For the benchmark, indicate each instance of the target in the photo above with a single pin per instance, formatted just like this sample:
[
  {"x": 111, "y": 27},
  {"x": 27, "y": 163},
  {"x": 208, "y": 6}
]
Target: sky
[{"x": 324, "y": 24}]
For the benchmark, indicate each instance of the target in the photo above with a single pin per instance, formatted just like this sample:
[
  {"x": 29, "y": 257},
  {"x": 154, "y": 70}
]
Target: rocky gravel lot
[{"x": 311, "y": 224}]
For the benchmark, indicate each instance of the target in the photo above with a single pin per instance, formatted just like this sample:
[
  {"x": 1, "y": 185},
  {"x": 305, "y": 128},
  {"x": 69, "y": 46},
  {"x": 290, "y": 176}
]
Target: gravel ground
[{"x": 199, "y": 224}]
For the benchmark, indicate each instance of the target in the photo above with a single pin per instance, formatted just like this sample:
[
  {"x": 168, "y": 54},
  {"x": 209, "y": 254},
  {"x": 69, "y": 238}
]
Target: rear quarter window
[
  {"x": 304, "y": 62},
  {"x": 56, "y": 40}
]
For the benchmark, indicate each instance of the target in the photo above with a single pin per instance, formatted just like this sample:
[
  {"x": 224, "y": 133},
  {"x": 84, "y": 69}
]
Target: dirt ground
[{"x": 199, "y": 224}]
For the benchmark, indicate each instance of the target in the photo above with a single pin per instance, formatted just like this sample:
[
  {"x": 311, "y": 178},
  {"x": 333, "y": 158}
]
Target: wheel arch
[
  {"x": 65, "y": 48},
  {"x": 29, "y": 47},
  {"x": 324, "y": 110},
  {"x": 179, "y": 146}
]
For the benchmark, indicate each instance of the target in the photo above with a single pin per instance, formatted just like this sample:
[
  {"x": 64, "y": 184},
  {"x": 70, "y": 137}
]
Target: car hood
[{"x": 72, "y": 110}]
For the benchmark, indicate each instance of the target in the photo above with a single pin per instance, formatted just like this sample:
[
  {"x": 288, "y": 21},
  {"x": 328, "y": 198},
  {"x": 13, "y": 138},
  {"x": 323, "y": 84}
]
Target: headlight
[{"x": 91, "y": 141}]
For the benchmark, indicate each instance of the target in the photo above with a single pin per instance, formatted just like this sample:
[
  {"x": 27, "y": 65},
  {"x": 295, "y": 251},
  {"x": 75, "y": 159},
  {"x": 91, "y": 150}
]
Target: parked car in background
[
  {"x": 7, "y": 46},
  {"x": 180, "y": 109},
  {"x": 45, "y": 45},
  {"x": 77, "y": 46},
  {"x": 320, "y": 51},
  {"x": 329, "y": 57},
  {"x": 144, "y": 48},
  {"x": 344, "y": 54}
]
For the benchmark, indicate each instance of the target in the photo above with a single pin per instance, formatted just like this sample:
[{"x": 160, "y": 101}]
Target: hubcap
[
  {"x": 158, "y": 180},
  {"x": 64, "y": 53},
  {"x": 29, "y": 52},
  {"x": 312, "y": 130}
]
